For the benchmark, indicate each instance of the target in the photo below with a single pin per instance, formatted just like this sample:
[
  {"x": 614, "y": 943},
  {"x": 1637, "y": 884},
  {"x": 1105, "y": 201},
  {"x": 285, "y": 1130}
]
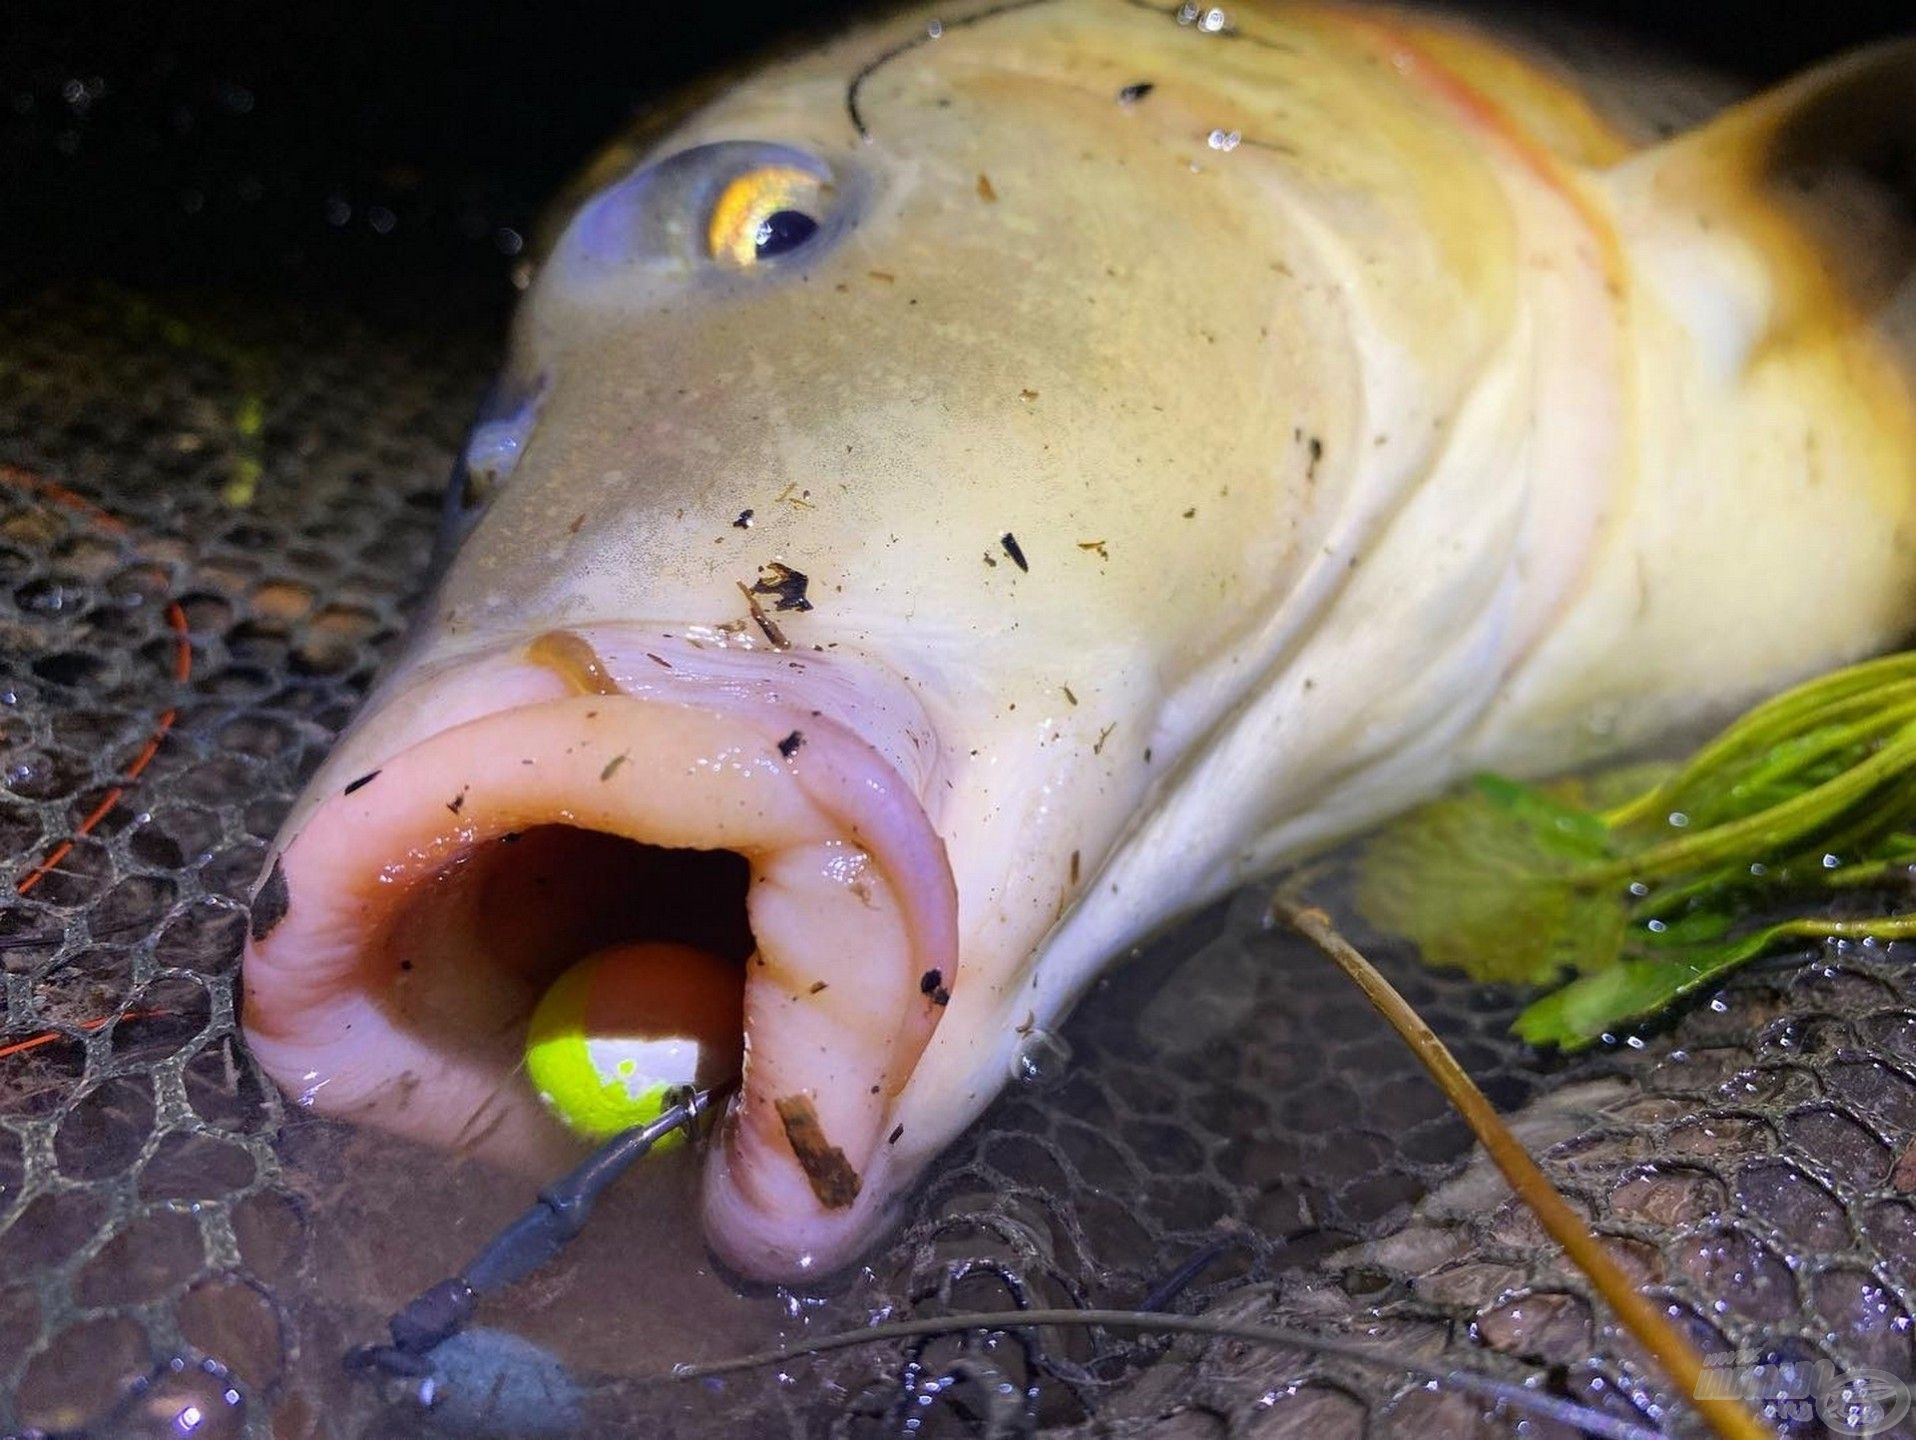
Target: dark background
[{"x": 362, "y": 153}]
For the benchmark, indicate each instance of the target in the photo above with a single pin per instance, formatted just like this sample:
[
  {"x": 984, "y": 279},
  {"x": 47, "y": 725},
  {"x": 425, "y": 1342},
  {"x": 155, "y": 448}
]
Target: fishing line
[
  {"x": 937, "y": 30},
  {"x": 1568, "y": 1412}
]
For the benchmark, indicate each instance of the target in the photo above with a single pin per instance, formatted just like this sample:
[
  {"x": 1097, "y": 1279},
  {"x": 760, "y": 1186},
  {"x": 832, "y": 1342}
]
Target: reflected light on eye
[{"x": 762, "y": 213}]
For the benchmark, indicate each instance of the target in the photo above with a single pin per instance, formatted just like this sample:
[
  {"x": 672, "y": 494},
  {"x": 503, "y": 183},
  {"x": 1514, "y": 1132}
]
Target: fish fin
[{"x": 1805, "y": 192}]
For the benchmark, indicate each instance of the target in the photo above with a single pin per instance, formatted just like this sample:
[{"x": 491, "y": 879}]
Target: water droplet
[
  {"x": 1678, "y": 820},
  {"x": 935, "y": 30},
  {"x": 1224, "y": 140},
  {"x": 1042, "y": 1059},
  {"x": 310, "y": 1095}
]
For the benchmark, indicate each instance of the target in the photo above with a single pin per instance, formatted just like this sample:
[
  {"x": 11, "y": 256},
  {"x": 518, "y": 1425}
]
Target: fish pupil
[{"x": 781, "y": 231}]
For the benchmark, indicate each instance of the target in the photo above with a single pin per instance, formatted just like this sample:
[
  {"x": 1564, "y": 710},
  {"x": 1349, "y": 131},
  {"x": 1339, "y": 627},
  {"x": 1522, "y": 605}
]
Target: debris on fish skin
[{"x": 1646, "y": 457}]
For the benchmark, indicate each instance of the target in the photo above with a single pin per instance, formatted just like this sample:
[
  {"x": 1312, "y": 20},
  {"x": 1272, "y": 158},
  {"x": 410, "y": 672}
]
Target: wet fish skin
[{"x": 1179, "y": 479}]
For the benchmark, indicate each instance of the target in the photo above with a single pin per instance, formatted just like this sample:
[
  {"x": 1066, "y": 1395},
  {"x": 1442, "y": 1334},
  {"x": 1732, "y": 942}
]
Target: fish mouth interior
[
  {"x": 414, "y": 918},
  {"x": 467, "y": 956}
]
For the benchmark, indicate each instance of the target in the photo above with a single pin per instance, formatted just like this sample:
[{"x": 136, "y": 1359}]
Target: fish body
[{"x": 962, "y": 497}]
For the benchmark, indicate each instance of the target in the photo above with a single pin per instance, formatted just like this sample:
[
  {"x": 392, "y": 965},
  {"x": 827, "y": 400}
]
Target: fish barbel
[{"x": 962, "y": 497}]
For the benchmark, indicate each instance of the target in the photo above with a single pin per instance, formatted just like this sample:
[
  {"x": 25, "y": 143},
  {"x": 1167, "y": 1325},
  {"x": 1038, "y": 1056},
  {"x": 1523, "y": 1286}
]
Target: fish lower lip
[{"x": 412, "y": 919}]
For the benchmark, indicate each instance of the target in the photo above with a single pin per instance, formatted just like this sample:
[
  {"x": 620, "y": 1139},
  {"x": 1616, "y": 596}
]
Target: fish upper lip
[{"x": 850, "y": 884}]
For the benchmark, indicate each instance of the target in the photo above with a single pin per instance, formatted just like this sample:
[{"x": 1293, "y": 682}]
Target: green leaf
[
  {"x": 1592, "y": 1006},
  {"x": 1638, "y": 882},
  {"x": 1482, "y": 881}
]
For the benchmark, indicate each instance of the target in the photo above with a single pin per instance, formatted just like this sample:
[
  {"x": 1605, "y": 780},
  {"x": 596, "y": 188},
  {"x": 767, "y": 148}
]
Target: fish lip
[{"x": 374, "y": 829}]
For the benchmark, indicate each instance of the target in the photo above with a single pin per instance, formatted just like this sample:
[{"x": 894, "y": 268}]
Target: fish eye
[
  {"x": 765, "y": 212},
  {"x": 727, "y": 206}
]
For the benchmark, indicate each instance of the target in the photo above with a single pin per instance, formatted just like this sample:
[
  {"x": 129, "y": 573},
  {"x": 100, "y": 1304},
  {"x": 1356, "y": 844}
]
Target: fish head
[
  {"x": 1022, "y": 305},
  {"x": 891, "y": 466}
]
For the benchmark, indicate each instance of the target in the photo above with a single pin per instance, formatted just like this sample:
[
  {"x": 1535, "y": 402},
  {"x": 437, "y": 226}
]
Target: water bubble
[
  {"x": 1042, "y": 1059},
  {"x": 1209, "y": 19},
  {"x": 181, "y": 1399}
]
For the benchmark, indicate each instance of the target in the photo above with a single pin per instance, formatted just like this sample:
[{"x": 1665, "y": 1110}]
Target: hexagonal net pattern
[{"x": 1231, "y": 1130}]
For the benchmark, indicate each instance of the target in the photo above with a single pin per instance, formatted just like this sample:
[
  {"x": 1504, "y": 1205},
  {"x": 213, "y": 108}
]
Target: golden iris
[{"x": 762, "y": 213}]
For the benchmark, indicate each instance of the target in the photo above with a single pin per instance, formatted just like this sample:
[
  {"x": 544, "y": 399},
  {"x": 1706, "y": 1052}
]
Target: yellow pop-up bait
[{"x": 627, "y": 1028}]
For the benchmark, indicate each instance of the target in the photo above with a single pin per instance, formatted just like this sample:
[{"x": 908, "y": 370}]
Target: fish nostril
[{"x": 507, "y": 418}]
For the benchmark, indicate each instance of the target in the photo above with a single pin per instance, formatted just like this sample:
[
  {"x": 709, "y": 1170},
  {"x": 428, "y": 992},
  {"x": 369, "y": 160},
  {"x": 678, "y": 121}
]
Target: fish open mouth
[{"x": 538, "y": 812}]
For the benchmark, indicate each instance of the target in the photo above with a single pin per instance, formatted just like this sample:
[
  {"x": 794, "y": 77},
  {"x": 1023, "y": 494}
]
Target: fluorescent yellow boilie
[{"x": 626, "y": 1029}]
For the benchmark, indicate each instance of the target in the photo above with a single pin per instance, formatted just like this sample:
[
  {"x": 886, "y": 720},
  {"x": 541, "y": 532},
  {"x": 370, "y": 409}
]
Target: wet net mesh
[{"x": 1231, "y": 1124}]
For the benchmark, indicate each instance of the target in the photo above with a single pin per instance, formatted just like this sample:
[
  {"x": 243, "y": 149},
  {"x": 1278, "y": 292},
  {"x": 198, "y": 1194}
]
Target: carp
[{"x": 960, "y": 498}]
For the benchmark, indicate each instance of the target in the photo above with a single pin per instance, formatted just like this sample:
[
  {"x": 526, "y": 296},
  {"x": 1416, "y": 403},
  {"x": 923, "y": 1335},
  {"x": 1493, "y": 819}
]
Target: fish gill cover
[{"x": 1228, "y": 1130}]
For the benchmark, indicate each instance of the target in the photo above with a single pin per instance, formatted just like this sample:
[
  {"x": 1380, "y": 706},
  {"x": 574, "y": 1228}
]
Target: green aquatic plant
[{"x": 1631, "y": 890}]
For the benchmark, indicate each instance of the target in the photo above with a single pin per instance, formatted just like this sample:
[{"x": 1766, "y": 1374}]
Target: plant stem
[
  {"x": 1833, "y": 696},
  {"x": 1645, "y": 1323},
  {"x": 1887, "y": 927},
  {"x": 1764, "y": 830}
]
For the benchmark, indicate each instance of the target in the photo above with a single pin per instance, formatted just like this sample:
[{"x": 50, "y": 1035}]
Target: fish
[{"x": 962, "y": 497}]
